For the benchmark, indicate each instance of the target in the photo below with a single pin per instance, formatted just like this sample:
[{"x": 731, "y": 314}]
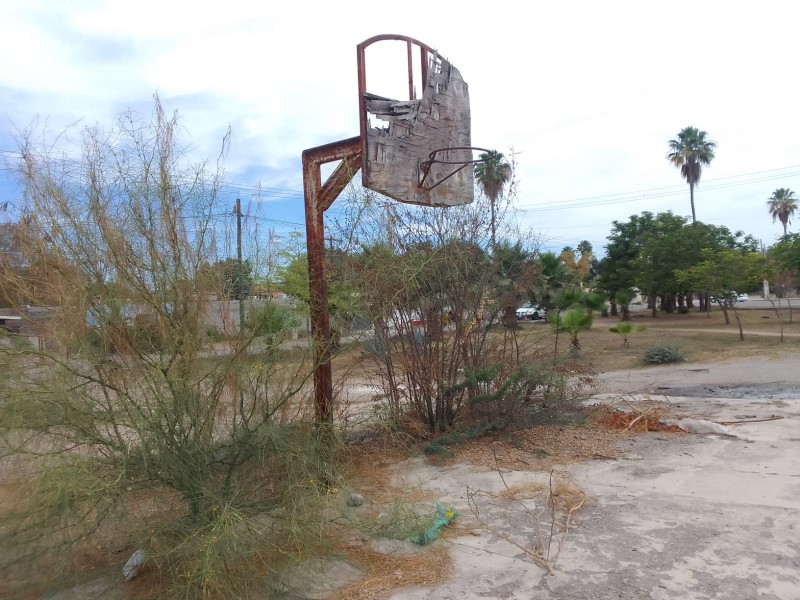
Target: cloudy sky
[{"x": 587, "y": 94}]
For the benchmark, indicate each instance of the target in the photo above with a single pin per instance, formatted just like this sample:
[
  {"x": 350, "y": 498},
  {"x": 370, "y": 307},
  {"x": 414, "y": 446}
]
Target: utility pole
[
  {"x": 765, "y": 281},
  {"x": 332, "y": 239},
  {"x": 238, "y": 285}
]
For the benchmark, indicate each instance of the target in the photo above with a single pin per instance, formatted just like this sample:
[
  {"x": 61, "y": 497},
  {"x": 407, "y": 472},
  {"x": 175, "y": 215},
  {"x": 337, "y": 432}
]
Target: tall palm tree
[
  {"x": 493, "y": 173},
  {"x": 691, "y": 152},
  {"x": 782, "y": 206}
]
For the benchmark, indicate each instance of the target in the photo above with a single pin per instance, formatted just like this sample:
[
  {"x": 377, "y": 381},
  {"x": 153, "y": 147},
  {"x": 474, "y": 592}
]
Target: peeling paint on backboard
[{"x": 401, "y": 134}]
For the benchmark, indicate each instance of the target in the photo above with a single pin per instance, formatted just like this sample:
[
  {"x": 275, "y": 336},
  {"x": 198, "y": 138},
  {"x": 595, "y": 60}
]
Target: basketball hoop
[
  {"x": 392, "y": 163},
  {"x": 425, "y": 165}
]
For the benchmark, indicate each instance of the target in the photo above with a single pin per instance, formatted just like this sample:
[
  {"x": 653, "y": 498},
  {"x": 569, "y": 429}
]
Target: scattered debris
[
  {"x": 354, "y": 499},
  {"x": 700, "y": 426},
  {"x": 749, "y": 419},
  {"x": 638, "y": 418},
  {"x": 442, "y": 518},
  {"x": 131, "y": 568}
]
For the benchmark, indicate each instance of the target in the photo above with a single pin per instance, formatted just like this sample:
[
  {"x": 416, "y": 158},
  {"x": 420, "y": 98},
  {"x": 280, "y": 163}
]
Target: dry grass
[
  {"x": 551, "y": 515},
  {"x": 368, "y": 467},
  {"x": 637, "y": 421},
  {"x": 388, "y": 573},
  {"x": 524, "y": 491},
  {"x": 703, "y": 339},
  {"x": 539, "y": 448},
  {"x": 100, "y": 555}
]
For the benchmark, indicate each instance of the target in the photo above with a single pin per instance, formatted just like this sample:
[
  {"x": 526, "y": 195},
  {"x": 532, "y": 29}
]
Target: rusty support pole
[
  {"x": 318, "y": 197},
  {"x": 410, "y": 58}
]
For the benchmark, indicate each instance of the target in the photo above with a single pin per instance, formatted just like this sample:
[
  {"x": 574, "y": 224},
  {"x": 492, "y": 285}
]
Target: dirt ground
[
  {"x": 688, "y": 516},
  {"x": 660, "y": 515}
]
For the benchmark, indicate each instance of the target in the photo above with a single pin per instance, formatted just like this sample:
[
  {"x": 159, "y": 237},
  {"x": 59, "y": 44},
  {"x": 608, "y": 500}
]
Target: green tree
[
  {"x": 572, "y": 312},
  {"x": 233, "y": 279},
  {"x": 516, "y": 274},
  {"x": 787, "y": 253},
  {"x": 573, "y": 321},
  {"x": 782, "y": 206},
  {"x": 644, "y": 253},
  {"x": 690, "y": 152},
  {"x": 724, "y": 272},
  {"x": 785, "y": 259},
  {"x": 493, "y": 173},
  {"x": 271, "y": 320},
  {"x": 553, "y": 276},
  {"x": 623, "y": 298},
  {"x": 665, "y": 247},
  {"x": 617, "y": 270}
]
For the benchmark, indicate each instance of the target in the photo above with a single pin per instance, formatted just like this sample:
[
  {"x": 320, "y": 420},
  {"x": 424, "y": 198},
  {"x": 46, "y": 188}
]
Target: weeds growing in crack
[{"x": 548, "y": 507}]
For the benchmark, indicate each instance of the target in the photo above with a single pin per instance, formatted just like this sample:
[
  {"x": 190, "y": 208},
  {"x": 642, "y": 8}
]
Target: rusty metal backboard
[{"x": 418, "y": 150}]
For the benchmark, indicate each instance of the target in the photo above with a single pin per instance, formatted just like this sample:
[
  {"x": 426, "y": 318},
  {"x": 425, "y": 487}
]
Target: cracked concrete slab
[{"x": 696, "y": 517}]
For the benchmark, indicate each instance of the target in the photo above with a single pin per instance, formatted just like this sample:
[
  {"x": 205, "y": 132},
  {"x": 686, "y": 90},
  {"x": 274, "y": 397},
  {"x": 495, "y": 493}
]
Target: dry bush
[
  {"x": 639, "y": 416},
  {"x": 123, "y": 398},
  {"x": 544, "y": 512},
  {"x": 439, "y": 301}
]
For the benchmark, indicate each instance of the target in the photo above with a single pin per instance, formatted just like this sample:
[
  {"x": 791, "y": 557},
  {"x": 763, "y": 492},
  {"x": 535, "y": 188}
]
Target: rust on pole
[
  {"x": 318, "y": 197},
  {"x": 410, "y": 58},
  {"x": 418, "y": 155}
]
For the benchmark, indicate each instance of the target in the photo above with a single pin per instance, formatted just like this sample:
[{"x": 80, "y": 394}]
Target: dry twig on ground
[{"x": 552, "y": 515}]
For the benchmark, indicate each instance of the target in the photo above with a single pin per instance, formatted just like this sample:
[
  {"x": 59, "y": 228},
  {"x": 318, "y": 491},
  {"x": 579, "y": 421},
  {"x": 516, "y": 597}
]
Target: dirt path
[{"x": 732, "y": 331}]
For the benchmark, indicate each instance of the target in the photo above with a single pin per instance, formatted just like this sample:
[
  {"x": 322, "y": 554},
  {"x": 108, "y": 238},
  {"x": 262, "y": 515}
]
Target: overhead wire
[{"x": 261, "y": 193}]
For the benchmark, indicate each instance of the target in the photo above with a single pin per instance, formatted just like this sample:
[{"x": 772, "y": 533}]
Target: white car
[
  {"x": 738, "y": 297},
  {"x": 530, "y": 311}
]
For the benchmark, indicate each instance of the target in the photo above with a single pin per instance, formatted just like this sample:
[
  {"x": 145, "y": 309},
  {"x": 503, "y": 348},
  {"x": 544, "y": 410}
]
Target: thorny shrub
[{"x": 121, "y": 420}]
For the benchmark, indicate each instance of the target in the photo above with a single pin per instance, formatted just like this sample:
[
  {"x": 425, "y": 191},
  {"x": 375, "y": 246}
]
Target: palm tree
[
  {"x": 782, "y": 206},
  {"x": 691, "y": 152},
  {"x": 625, "y": 330},
  {"x": 493, "y": 173}
]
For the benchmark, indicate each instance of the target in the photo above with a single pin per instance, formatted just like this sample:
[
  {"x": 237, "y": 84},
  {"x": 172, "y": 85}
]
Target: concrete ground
[{"x": 694, "y": 517}]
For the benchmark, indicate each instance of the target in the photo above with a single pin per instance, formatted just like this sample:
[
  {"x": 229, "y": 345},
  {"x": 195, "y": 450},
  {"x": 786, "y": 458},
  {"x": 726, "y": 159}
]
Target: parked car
[
  {"x": 530, "y": 311},
  {"x": 733, "y": 296}
]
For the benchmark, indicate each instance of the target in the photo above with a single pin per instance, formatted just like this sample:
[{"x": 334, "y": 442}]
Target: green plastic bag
[{"x": 442, "y": 517}]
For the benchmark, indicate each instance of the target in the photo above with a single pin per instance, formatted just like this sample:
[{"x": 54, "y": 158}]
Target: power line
[
  {"x": 662, "y": 192},
  {"x": 262, "y": 193},
  {"x": 680, "y": 186},
  {"x": 656, "y": 192}
]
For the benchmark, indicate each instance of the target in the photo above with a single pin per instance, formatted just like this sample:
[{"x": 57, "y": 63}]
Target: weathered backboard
[{"x": 418, "y": 150}]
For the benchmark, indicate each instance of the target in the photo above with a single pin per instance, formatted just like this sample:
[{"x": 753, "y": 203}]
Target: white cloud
[{"x": 587, "y": 93}]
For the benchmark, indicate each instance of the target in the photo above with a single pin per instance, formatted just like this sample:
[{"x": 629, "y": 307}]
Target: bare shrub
[
  {"x": 124, "y": 400},
  {"x": 439, "y": 302},
  {"x": 543, "y": 514}
]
